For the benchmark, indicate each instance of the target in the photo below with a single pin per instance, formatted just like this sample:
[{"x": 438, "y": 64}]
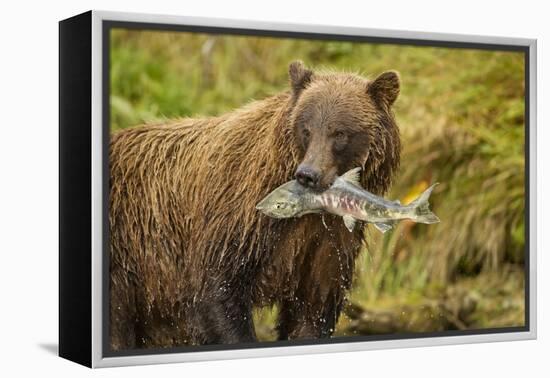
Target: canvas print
[{"x": 276, "y": 190}]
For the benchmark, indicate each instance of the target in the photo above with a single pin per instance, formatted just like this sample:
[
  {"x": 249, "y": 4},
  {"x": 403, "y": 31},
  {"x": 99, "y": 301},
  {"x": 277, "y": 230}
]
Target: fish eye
[{"x": 280, "y": 205}]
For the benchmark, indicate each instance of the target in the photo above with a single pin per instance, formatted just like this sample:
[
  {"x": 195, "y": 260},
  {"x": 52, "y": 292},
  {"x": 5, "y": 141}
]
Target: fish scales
[{"x": 347, "y": 199}]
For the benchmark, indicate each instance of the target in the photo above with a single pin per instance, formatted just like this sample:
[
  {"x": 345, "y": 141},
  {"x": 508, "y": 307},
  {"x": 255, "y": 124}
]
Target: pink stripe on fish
[
  {"x": 347, "y": 203},
  {"x": 335, "y": 201},
  {"x": 324, "y": 200}
]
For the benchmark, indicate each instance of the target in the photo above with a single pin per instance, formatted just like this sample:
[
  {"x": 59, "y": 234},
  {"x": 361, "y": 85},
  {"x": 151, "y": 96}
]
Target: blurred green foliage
[{"x": 461, "y": 115}]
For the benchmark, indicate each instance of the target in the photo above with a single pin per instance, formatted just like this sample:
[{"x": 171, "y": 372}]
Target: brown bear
[{"x": 190, "y": 254}]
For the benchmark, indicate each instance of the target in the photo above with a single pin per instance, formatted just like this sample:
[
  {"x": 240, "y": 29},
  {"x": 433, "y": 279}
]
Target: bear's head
[{"x": 342, "y": 121}]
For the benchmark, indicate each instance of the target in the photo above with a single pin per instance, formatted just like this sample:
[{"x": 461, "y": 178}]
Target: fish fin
[
  {"x": 383, "y": 227},
  {"x": 349, "y": 221},
  {"x": 353, "y": 176},
  {"x": 421, "y": 208}
]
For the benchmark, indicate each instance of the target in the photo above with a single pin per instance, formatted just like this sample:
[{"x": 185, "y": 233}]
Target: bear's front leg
[
  {"x": 224, "y": 316},
  {"x": 302, "y": 319},
  {"x": 312, "y": 310}
]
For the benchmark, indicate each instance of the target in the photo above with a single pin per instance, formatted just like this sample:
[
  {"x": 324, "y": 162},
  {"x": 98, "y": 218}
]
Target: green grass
[{"x": 461, "y": 115}]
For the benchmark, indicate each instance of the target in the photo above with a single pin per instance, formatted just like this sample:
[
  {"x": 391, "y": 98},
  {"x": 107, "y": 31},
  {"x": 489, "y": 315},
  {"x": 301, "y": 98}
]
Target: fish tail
[{"x": 421, "y": 208}]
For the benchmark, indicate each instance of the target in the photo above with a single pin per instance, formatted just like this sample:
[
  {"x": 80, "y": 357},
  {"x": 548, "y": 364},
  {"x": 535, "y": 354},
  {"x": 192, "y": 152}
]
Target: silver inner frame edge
[{"x": 97, "y": 186}]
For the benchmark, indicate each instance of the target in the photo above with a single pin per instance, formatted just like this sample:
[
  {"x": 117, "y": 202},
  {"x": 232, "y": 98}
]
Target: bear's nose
[{"x": 307, "y": 176}]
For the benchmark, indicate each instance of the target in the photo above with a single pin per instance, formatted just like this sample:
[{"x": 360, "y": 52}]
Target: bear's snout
[{"x": 308, "y": 176}]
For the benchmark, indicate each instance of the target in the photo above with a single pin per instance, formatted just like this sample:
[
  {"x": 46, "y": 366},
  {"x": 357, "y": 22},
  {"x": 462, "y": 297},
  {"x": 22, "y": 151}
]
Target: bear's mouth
[{"x": 320, "y": 188}]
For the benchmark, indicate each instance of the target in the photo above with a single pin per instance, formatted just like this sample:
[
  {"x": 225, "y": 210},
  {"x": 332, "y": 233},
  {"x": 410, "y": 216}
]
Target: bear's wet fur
[{"x": 190, "y": 254}]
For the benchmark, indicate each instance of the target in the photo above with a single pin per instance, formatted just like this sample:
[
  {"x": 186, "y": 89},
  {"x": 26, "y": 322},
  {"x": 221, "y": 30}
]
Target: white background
[{"x": 29, "y": 190}]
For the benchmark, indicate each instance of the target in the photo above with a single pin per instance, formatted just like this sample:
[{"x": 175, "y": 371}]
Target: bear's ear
[
  {"x": 385, "y": 88},
  {"x": 299, "y": 75}
]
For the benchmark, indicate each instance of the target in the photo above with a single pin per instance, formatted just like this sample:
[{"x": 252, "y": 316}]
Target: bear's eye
[
  {"x": 306, "y": 133},
  {"x": 339, "y": 135},
  {"x": 340, "y": 140}
]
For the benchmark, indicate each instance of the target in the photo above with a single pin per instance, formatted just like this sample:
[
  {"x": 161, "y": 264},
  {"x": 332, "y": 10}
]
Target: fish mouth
[
  {"x": 271, "y": 214},
  {"x": 276, "y": 216},
  {"x": 261, "y": 208}
]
